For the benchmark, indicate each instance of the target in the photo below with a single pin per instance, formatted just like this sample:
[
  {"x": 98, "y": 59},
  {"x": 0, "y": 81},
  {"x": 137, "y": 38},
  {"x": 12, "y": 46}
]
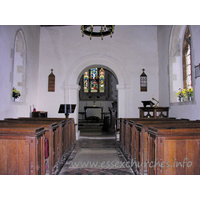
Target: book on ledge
[
  {"x": 146, "y": 103},
  {"x": 67, "y": 108}
]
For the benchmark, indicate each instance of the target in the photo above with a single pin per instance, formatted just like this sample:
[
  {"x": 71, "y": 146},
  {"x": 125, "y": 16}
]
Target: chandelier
[{"x": 97, "y": 30}]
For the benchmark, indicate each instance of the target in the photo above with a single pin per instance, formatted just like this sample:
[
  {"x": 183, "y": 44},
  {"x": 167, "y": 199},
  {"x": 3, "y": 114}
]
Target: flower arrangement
[
  {"x": 15, "y": 93},
  {"x": 189, "y": 93},
  {"x": 181, "y": 94}
]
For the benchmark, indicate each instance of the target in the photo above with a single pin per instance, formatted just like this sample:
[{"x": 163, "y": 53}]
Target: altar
[{"x": 93, "y": 111}]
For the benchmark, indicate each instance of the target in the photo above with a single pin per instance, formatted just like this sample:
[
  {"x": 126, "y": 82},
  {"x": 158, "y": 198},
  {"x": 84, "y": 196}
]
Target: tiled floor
[{"x": 101, "y": 150}]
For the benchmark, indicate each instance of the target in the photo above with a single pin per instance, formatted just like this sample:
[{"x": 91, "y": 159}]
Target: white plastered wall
[{"x": 64, "y": 50}]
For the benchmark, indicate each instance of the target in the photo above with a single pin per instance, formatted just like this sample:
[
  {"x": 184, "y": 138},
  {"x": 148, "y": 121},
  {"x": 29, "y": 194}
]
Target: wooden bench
[
  {"x": 70, "y": 122},
  {"x": 135, "y": 137},
  {"x": 124, "y": 126},
  {"x": 22, "y": 151},
  {"x": 174, "y": 151},
  {"x": 59, "y": 134},
  {"x": 51, "y": 133},
  {"x": 142, "y": 133}
]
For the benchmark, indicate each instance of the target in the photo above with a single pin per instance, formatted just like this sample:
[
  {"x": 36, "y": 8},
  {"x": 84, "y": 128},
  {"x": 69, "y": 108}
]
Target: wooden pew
[
  {"x": 142, "y": 132},
  {"x": 124, "y": 126},
  {"x": 62, "y": 138},
  {"x": 136, "y": 144},
  {"x": 70, "y": 122},
  {"x": 124, "y": 139},
  {"x": 123, "y": 122},
  {"x": 174, "y": 151},
  {"x": 22, "y": 151},
  {"x": 69, "y": 137},
  {"x": 51, "y": 133}
]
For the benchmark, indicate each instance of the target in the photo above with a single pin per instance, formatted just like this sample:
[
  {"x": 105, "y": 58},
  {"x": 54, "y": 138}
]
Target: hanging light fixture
[{"x": 97, "y": 30}]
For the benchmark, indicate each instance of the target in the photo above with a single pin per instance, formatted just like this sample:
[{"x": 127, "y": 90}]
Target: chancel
[{"x": 90, "y": 93}]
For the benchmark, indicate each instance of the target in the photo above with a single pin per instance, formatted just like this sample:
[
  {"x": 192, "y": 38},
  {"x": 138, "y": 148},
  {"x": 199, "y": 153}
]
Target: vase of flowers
[
  {"x": 189, "y": 94},
  {"x": 181, "y": 94},
  {"x": 15, "y": 94}
]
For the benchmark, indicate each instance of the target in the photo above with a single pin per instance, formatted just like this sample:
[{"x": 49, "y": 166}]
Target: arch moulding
[{"x": 79, "y": 66}]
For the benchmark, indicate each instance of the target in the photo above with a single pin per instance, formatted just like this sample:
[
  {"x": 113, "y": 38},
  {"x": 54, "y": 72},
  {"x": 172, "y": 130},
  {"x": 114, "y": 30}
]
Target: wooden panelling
[
  {"x": 3, "y": 163},
  {"x": 23, "y": 157},
  {"x": 180, "y": 156},
  {"x": 12, "y": 157},
  {"x": 192, "y": 157},
  {"x": 169, "y": 157}
]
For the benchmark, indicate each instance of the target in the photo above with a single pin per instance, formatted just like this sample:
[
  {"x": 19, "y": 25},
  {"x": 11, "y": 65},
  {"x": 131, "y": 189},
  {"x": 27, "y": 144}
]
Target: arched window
[
  {"x": 101, "y": 80},
  {"x": 187, "y": 62},
  {"x": 86, "y": 81},
  {"x": 93, "y": 80},
  {"x": 180, "y": 64},
  {"x": 19, "y": 66}
]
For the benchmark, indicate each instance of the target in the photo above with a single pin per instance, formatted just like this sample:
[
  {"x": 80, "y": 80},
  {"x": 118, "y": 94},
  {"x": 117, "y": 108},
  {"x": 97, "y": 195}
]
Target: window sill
[{"x": 184, "y": 103}]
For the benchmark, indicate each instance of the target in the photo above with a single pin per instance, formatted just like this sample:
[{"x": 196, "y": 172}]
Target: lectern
[
  {"x": 153, "y": 112},
  {"x": 146, "y": 103},
  {"x": 67, "y": 109}
]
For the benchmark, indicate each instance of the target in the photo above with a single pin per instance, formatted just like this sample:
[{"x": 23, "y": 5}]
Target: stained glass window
[
  {"x": 86, "y": 81},
  {"x": 101, "y": 80},
  {"x": 93, "y": 82},
  {"x": 93, "y": 77}
]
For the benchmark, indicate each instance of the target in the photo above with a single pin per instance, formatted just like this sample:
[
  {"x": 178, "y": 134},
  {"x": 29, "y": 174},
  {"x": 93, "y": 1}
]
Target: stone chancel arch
[{"x": 112, "y": 64}]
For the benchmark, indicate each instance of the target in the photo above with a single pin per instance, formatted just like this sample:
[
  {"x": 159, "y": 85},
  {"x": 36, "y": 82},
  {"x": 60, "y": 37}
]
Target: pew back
[
  {"x": 177, "y": 151},
  {"x": 135, "y": 140},
  {"x": 22, "y": 151},
  {"x": 60, "y": 134}
]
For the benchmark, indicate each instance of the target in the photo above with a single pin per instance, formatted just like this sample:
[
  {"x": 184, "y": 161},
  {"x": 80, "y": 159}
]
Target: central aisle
[{"x": 96, "y": 156}]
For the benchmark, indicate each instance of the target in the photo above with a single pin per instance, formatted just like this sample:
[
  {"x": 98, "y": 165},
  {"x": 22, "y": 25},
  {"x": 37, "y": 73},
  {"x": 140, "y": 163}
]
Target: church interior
[
  {"x": 99, "y": 100},
  {"x": 99, "y": 79}
]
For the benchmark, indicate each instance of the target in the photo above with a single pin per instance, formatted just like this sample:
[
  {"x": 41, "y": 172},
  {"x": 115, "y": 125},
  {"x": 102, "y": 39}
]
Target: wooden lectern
[
  {"x": 146, "y": 103},
  {"x": 153, "y": 112},
  {"x": 67, "y": 109}
]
